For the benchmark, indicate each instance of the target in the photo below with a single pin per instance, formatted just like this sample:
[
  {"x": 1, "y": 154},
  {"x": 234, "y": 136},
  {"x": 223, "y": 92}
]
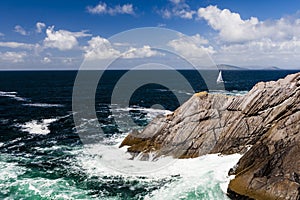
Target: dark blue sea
[{"x": 43, "y": 157}]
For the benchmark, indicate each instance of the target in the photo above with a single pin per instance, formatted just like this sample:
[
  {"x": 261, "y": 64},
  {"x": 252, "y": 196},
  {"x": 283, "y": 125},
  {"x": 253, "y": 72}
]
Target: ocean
[{"x": 43, "y": 157}]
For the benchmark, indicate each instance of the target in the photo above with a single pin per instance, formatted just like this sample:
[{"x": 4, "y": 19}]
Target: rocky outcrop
[
  {"x": 271, "y": 168},
  {"x": 264, "y": 124}
]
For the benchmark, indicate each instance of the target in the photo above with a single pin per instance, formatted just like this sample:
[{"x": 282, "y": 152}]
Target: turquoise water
[{"x": 199, "y": 178}]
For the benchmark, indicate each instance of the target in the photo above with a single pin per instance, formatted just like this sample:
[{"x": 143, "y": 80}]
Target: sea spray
[{"x": 205, "y": 177}]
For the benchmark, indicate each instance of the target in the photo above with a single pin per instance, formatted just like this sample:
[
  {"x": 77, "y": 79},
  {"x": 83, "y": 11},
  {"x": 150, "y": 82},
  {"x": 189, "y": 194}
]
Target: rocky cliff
[{"x": 263, "y": 124}]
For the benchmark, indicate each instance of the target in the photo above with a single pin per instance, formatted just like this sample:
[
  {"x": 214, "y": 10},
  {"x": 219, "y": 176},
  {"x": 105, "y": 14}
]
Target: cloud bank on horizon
[{"x": 226, "y": 35}]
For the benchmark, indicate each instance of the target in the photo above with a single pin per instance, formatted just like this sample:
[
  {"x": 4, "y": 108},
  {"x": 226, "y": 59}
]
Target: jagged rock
[
  {"x": 270, "y": 169},
  {"x": 266, "y": 119}
]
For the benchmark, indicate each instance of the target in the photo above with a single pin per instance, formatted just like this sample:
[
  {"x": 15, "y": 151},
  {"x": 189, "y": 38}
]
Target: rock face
[{"x": 264, "y": 124}]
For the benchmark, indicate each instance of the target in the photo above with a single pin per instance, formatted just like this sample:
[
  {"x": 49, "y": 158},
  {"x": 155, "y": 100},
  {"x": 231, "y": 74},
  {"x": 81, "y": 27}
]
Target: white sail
[{"x": 220, "y": 78}]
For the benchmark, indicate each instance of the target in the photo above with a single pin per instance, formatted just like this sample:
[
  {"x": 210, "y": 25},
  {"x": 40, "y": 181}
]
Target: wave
[
  {"x": 44, "y": 105},
  {"x": 39, "y": 127},
  {"x": 184, "y": 92},
  {"x": 12, "y": 95},
  {"x": 204, "y": 177},
  {"x": 151, "y": 113},
  {"x": 226, "y": 92},
  {"x": 15, "y": 184},
  {"x": 230, "y": 93},
  {"x": 162, "y": 90},
  {"x": 101, "y": 167},
  {"x": 200, "y": 178}
]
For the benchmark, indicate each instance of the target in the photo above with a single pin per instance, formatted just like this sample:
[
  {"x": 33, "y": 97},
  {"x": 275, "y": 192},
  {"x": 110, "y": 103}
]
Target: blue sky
[{"x": 60, "y": 34}]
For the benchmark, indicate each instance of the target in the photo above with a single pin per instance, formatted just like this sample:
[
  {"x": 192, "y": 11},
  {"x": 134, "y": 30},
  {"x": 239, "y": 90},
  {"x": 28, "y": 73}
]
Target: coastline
[{"x": 209, "y": 123}]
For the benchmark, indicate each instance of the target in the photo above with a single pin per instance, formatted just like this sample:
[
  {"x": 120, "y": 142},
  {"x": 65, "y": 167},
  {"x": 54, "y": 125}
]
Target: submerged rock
[{"x": 263, "y": 124}]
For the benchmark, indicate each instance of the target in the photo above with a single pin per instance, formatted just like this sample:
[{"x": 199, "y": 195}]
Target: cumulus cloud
[
  {"x": 102, "y": 8},
  {"x": 232, "y": 28},
  {"x": 261, "y": 52},
  {"x": 178, "y": 8},
  {"x": 17, "y": 45},
  {"x": 100, "y": 48},
  {"x": 67, "y": 60},
  {"x": 192, "y": 47},
  {"x": 13, "y": 57},
  {"x": 62, "y": 39},
  {"x": 20, "y": 29},
  {"x": 144, "y": 52},
  {"x": 46, "y": 60},
  {"x": 265, "y": 46},
  {"x": 252, "y": 41},
  {"x": 40, "y": 26}
]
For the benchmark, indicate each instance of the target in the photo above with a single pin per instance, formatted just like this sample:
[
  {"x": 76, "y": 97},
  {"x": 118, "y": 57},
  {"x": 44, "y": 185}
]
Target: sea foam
[
  {"x": 43, "y": 105},
  {"x": 12, "y": 95},
  {"x": 37, "y": 127},
  {"x": 204, "y": 177}
]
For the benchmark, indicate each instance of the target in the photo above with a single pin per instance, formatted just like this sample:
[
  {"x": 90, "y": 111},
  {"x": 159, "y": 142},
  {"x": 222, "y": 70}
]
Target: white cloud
[
  {"x": 102, "y": 8},
  {"x": 261, "y": 52},
  {"x": 1, "y": 34},
  {"x": 17, "y": 45},
  {"x": 125, "y": 9},
  {"x": 68, "y": 61},
  {"x": 121, "y": 44},
  {"x": 178, "y": 9},
  {"x": 20, "y": 29},
  {"x": 264, "y": 46},
  {"x": 144, "y": 52},
  {"x": 40, "y": 26},
  {"x": 100, "y": 48},
  {"x": 250, "y": 41},
  {"x": 13, "y": 57},
  {"x": 232, "y": 28},
  {"x": 62, "y": 39},
  {"x": 177, "y": 1},
  {"x": 192, "y": 47},
  {"x": 166, "y": 13},
  {"x": 46, "y": 60}
]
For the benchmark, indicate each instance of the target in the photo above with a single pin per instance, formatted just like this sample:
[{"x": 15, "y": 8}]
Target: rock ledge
[{"x": 263, "y": 125}]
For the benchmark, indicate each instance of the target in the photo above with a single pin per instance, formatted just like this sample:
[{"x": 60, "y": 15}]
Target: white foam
[
  {"x": 230, "y": 93},
  {"x": 37, "y": 127},
  {"x": 112, "y": 160},
  {"x": 184, "y": 92},
  {"x": 44, "y": 105},
  {"x": 16, "y": 140},
  {"x": 124, "y": 118},
  {"x": 27, "y": 187},
  {"x": 206, "y": 174},
  {"x": 10, "y": 170},
  {"x": 151, "y": 112},
  {"x": 12, "y": 95},
  {"x": 162, "y": 90}
]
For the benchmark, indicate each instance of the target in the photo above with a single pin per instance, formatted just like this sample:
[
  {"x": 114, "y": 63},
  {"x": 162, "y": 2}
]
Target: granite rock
[{"x": 263, "y": 125}]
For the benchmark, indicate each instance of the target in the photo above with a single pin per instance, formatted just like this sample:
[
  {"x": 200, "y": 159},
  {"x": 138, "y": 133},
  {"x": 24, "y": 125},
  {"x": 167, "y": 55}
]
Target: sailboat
[{"x": 220, "y": 78}]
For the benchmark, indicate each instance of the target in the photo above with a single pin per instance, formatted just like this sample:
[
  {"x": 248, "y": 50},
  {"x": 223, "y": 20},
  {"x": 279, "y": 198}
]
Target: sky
[{"x": 62, "y": 34}]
